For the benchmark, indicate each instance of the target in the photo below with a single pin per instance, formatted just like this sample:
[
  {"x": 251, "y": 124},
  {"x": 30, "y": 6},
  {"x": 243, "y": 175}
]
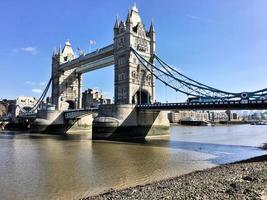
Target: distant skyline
[{"x": 220, "y": 43}]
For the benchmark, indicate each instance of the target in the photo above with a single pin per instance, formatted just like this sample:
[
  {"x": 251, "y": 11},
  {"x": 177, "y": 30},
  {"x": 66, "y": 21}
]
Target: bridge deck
[
  {"x": 88, "y": 58},
  {"x": 77, "y": 113},
  {"x": 227, "y": 105}
]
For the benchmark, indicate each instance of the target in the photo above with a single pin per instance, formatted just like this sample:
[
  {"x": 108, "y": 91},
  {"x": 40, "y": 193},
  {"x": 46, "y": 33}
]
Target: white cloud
[
  {"x": 193, "y": 17},
  {"x": 29, "y": 83},
  {"x": 31, "y": 50},
  {"x": 32, "y": 83},
  {"x": 200, "y": 19},
  {"x": 37, "y": 90},
  {"x": 42, "y": 83}
]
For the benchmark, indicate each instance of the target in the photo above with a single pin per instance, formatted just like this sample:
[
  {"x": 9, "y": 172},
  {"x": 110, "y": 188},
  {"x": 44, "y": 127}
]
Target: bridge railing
[
  {"x": 83, "y": 58},
  {"x": 222, "y": 105},
  {"x": 76, "y": 113}
]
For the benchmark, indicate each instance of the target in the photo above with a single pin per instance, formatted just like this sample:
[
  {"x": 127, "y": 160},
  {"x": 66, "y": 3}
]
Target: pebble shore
[{"x": 242, "y": 180}]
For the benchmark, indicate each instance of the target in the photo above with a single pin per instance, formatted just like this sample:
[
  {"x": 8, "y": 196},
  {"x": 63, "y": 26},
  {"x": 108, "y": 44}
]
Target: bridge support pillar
[
  {"x": 117, "y": 122},
  {"x": 55, "y": 122},
  {"x": 79, "y": 106}
]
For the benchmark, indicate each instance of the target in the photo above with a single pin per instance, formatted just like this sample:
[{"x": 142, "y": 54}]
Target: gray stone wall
[
  {"x": 133, "y": 83},
  {"x": 66, "y": 86}
]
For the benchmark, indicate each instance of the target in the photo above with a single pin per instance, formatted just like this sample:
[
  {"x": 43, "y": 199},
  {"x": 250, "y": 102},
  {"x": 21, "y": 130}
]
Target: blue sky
[{"x": 220, "y": 43}]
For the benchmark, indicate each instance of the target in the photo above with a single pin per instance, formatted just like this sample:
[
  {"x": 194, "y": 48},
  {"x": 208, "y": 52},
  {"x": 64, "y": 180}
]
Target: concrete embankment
[{"x": 242, "y": 180}]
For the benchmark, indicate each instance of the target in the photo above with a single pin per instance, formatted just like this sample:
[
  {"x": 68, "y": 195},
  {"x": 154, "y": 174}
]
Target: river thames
[{"x": 38, "y": 166}]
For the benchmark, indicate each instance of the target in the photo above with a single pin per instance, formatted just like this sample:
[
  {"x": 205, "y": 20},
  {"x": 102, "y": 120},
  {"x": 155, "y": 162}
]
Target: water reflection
[{"x": 36, "y": 166}]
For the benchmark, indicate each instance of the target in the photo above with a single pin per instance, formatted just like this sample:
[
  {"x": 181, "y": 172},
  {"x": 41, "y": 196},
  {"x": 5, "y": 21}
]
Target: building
[
  {"x": 66, "y": 86},
  {"x": 22, "y": 103},
  {"x": 3, "y": 109},
  {"x": 133, "y": 82},
  {"x": 178, "y": 116},
  {"x": 218, "y": 116},
  {"x": 93, "y": 98}
]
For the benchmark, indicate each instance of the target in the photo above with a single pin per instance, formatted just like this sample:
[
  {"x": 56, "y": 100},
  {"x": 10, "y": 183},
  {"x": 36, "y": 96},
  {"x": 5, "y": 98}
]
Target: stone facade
[
  {"x": 21, "y": 104},
  {"x": 3, "y": 109},
  {"x": 178, "y": 116},
  {"x": 66, "y": 86},
  {"x": 133, "y": 83},
  {"x": 93, "y": 98},
  {"x": 217, "y": 116},
  {"x": 125, "y": 122}
]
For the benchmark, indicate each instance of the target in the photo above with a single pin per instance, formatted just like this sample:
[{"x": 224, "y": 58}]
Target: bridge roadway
[
  {"x": 95, "y": 60},
  {"x": 226, "y": 105},
  {"x": 77, "y": 113}
]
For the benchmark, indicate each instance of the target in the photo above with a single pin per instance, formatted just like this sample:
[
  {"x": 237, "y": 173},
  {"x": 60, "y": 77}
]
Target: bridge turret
[
  {"x": 67, "y": 52},
  {"x": 152, "y": 35},
  {"x": 66, "y": 85},
  {"x": 129, "y": 22},
  {"x": 134, "y": 15},
  {"x": 133, "y": 83}
]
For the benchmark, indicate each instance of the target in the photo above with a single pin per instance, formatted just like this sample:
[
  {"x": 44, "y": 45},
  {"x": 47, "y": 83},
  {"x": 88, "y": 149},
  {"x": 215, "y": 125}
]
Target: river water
[{"x": 37, "y": 166}]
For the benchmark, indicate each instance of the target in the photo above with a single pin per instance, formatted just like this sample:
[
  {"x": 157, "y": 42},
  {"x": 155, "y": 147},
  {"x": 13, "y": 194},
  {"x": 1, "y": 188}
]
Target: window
[
  {"x": 121, "y": 60},
  {"x": 124, "y": 93},
  {"x": 133, "y": 74},
  {"x": 119, "y": 93},
  {"x": 121, "y": 76}
]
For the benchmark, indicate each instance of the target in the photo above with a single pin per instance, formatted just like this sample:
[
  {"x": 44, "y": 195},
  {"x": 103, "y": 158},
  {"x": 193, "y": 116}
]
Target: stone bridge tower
[
  {"x": 133, "y": 83},
  {"x": 66, "y": 85}
]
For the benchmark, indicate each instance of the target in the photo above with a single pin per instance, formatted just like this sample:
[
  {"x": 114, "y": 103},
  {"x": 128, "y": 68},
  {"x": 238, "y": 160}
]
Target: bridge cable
[
  {"x": 41, "y": 98},
  {"x": 177, "y": 79}
]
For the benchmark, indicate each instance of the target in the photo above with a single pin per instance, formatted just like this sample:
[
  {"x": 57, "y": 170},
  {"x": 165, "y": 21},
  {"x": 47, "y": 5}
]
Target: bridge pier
[
  {"x": 125, "y": 122},
  {"x": 55, "y": 122}
]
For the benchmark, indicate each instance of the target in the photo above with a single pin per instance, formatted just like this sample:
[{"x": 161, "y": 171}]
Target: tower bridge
[
  {"x": 136, "y": 67},
  {"x": 133, "y": 83}
]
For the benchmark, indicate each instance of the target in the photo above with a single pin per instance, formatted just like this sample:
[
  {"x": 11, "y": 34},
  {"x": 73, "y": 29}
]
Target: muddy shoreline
[{"x": 241, "y": 180}]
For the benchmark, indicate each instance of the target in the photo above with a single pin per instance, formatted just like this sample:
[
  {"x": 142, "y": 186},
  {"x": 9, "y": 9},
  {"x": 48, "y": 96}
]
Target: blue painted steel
[{"x": 199, "y": 91}]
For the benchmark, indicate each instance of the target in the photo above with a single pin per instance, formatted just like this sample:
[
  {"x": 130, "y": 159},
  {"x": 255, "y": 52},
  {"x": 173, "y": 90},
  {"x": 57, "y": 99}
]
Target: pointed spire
[
  {"x": 152, "y": 29},
  {"x": 129, "y": 19},
  {"x": 116, "y": 25},
  {"x": 121, "y": 23},
  {"x": 134, "y": 8},
  {"x": 67, "y": 43},
  {"x": 59, "y": 50},
  {"x": 55, "y": 51}
]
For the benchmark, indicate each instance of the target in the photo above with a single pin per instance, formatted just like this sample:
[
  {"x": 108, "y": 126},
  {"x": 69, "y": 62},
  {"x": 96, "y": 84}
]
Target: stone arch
[
  {"x": 11, "y": 108},
  {"x": 27, "y": 108},
  {"x": 141, "y": 97},
  {"x": 72, "y": 104}
]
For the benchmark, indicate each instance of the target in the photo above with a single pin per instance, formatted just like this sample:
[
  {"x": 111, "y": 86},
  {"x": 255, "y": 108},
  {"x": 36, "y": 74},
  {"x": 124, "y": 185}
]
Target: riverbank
[{"x": 241, "y": 180}]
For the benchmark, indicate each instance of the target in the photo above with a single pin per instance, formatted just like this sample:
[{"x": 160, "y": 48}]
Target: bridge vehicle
[
  {"x": 244, "y": 101},
  {"x": 263, "y": 98},
  {"x": 203, "y": 100}
]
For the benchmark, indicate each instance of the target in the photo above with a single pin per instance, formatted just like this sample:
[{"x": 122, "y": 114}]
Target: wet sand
[{"x": 241, "y": 180}]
